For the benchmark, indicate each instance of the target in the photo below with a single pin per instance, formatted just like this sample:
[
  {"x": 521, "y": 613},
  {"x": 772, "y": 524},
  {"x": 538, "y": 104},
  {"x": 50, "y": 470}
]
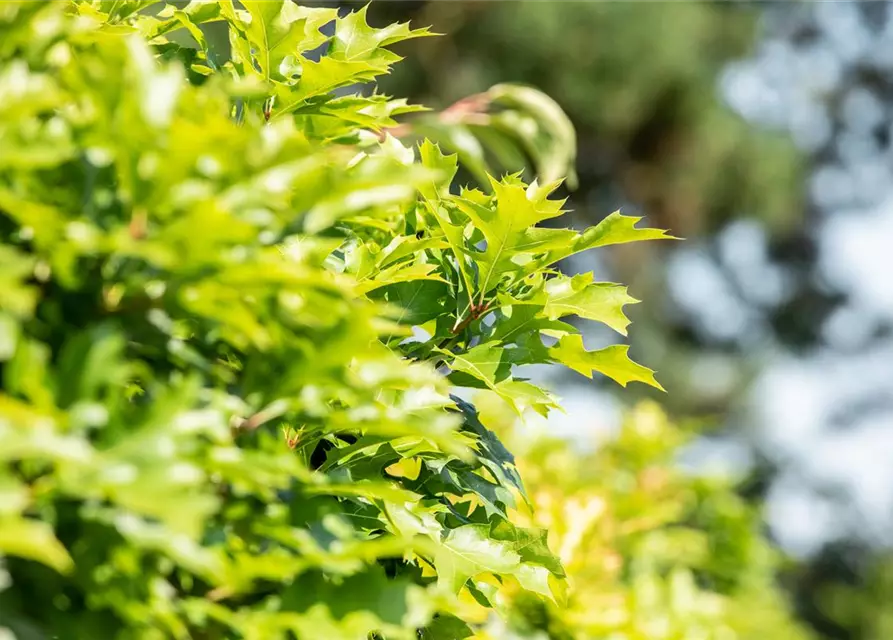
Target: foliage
[
  {"x": 641, "y": 84},
  {"x": 652, "y": 551},
  {"x": 504, "y": 127},
  {"x": 846, "y": 591},
  {"x": 234, "y": 309}
]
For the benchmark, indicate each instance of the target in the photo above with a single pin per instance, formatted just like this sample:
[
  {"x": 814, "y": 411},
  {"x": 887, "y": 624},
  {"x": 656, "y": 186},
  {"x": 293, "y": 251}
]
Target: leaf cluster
[{"x": 234, "y": 310}]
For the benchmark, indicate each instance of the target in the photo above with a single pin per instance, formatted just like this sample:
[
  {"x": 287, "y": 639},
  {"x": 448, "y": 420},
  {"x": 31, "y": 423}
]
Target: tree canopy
[{"x": 238, "y": 320}]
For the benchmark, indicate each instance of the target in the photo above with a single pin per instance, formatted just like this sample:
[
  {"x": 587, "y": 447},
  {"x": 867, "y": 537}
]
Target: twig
[
  {"x": 469, "y": 109},
  {"x": 475, "y": 311},
  {"x": 261, "y": 417}
]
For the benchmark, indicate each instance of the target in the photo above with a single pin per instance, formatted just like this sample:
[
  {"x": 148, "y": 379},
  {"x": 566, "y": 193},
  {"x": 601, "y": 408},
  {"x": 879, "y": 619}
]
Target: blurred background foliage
[
  {"x": 652, "y": 551},
  {"x": 648, "y": 119}
]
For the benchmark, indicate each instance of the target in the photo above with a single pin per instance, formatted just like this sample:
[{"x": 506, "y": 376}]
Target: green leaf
[
  {"x": 603, "y": 302},
  {"x": 530, "y": 544},
  {"x": 556, "y": 149},
  {"x": 415, "y": 302},
  {"x": 611, "y": 361},
  {"x": 281, "y": 28},
  {"x": 614, "y": 229},
  {"x": 318, "y": 78},
  {"x": 489, "y": 366},
  {"x": 371, "y": 184},
  {"x": 504, "y": 148},
  {"x": 496, "y": 457},
  {"x": 446, "y": 627},
  {"x": 464, "y": 482},
  {"x": 119, "y": 9},
  {"x": 399, "y": 273},
  {"x": 523, "y": 395},
  {"x": 459, "y": 139},
  {"x": 183, "y": 18},
  {"x": 356, "y": 40},
  {"x": 196, "y": 12},
  {"x": 445, "y": 167},
  {"x": 518, "y": 319},
  {"x": 9, "y": 336},
  {"x": 487, "y": 363},
  {"x": 34, "y": 540},
  {"x": 619, "y": 229},
  {"x": 356, "y": 606},
  {"x": 506, "y": 227},
  {"x": 468, "y": 551},
  {"x": 405, "y": 246},
  {"x": 357, "y": 54}
]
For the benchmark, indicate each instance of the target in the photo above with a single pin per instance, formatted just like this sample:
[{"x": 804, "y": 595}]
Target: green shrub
[
  {"x": 652, "y": 551},
  {"x": 232, "y": 314}
]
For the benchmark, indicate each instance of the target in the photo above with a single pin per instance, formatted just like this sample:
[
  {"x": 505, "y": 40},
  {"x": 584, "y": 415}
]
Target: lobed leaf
[{"x": 612, "y": 362}]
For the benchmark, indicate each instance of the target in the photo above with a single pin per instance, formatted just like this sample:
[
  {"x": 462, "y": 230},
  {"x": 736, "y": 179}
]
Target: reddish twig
[
  {"x": 475, "y": 311},
  {"x": 469, "y": 109}
]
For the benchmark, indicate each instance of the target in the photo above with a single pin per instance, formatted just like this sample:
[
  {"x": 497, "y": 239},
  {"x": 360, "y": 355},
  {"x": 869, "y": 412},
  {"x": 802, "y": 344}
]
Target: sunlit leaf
[{"x": 611, "y": 361}]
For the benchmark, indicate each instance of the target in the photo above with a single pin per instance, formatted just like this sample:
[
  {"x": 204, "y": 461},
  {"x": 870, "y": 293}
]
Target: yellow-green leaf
[
  {"x": 34, "y": 540},
  {"x": 611, "y": 361}
]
